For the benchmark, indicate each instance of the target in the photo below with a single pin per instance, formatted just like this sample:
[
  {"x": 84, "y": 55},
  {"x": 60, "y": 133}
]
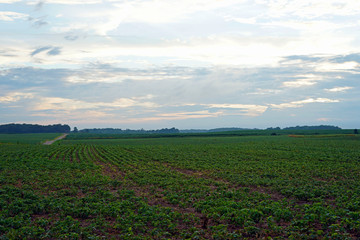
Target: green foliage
[
  {"x": 14, "y": 128},
  {"x": 254, "y": 187},
  {"x": 134, "y": 134},
  {"x": 30, "y": 138}
]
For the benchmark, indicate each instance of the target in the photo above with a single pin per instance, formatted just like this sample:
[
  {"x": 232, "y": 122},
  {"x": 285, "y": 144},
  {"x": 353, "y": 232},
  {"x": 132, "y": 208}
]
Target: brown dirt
[
  {"x": 56, "y": 139},
  {"x": 198, "y": 174},
  {"x": 154, "y": 197}
]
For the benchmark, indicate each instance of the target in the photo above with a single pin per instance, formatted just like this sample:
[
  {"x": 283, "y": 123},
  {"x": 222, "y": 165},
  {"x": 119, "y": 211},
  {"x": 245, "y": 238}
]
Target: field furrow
[{"x": 220, "y": 188}]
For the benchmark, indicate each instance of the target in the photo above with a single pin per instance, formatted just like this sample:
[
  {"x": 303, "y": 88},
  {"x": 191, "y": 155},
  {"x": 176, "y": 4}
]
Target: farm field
[
  {"x": 31, "y": 138},
  {"x": 213, "y": 187}
]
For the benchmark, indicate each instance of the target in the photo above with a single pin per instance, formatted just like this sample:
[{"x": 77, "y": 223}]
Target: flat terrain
[
  {"x": 230, "y": 187},
  {"x": 31, "y": 138},
  {"x": 49, "y": 142}
]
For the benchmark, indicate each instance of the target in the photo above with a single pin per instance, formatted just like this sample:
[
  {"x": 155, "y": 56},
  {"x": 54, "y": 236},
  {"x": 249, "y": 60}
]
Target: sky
[{"x": 189, "y": 64}]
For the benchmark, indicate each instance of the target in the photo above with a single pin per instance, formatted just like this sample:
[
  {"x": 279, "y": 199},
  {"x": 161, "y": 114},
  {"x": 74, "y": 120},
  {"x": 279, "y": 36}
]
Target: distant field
[
  {"x": 213, "y": 187},
  {"x": 30, "y": 138},
  {"x": 81, "y": 136}
]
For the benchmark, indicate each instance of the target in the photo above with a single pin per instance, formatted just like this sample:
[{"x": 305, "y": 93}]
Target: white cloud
[
  {"x": 217, "y": 50},
  {"x": 67, "y": 104},
  {"x": 73, "y": 115},
  {"x": 118, "y": 49},
  {"x": 185, "y": 115},
  {"x": 9, "y": 1},
  {"x": 323, "y": 119},
  {"x": 146, "y": 11},
  {"x": 154, "y": 118},
  {"x": 310, "y": 9},
  {"x": 251, "y": 20},
  {"x": 15, "y": 97},
  {"x": 314, "y": 26},
  {"x": 67, "y": 2},
  {"x": 221, "y": 48},
  {"x": 260, "y": 91},
  {"x": 337, "y": 67},
  {"x": 58, "y": 103},
  {"x": 155, "y": 11},
  {"x": 301, "y": 103},
  {"x": 11, "y": 16},
  {"x": 303, "y": 80},
  {"x": 211, "y": 50},
  {"x": 116, "y": 77},
  {"x": 339, "y": 89},
  {"x": 89, "y": 78},
  {"x": 242, "y": 109},
  {"x": 82, "y": 116},
  {"x": 130, "y": 102},
  {"x": 299, "y": 83}
]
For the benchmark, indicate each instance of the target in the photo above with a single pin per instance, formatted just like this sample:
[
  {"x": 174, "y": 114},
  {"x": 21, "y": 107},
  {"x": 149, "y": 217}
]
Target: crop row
[
  {"x": 256, "y": 189},
  {"x": 213, "y": 188}
]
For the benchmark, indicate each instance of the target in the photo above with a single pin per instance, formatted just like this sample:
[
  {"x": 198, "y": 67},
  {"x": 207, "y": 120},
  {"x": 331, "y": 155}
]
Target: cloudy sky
[{"x": 186, "y": 64}]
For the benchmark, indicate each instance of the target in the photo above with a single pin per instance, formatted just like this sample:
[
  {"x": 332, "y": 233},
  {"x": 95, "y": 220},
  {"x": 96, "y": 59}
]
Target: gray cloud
[
  {"x": 71, "y": 37},
  {"x": 29, "y": 77},
  {"x": 51, "y": 51},
  {"x": 337, "y": 58},
  {"x": 38, "y": 22},
  {"x": 75, "y": 34},
  {"x": 39, "y": 5},
  {"x": 39, "y": 50},
  {"x": 186, "y": 95},
  {"x": 347, "y": 58},
  {"x": 7, "y": 53},
  {"x": 54, "y": 51},
  {"x": 304, "y": 58}
]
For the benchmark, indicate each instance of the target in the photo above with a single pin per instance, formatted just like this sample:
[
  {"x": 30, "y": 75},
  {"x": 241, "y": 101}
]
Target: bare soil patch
[{"x": 56, "y": 139}]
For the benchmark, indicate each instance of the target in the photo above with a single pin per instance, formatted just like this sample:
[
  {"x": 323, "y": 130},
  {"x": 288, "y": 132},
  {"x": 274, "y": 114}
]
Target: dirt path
[{"x": 56, "y": 139}]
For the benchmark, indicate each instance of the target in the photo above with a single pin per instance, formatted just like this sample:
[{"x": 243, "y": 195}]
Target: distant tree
[
  {"x": 320, "y": 127},
  {"x": 271, "y": 128},
  {"x": 356, "y": 131},
  {"x": 129, "y": 131},
  {"x": 75, "y": 130},
  {"x": 33, "y": 128}
]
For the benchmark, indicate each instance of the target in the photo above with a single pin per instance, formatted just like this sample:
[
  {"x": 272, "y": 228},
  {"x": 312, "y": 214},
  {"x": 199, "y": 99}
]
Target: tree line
[
  {"x": 34, "y": 128},
  {"x": 320, "y": 127},
  {"x": 127, "y": 131}
]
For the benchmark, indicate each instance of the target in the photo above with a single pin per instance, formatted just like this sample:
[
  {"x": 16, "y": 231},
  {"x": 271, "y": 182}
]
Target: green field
[
  {"x": 182, "y": 187},
  {"x": 82, "y": 136},
  {"x": 31, "y": 138}
]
